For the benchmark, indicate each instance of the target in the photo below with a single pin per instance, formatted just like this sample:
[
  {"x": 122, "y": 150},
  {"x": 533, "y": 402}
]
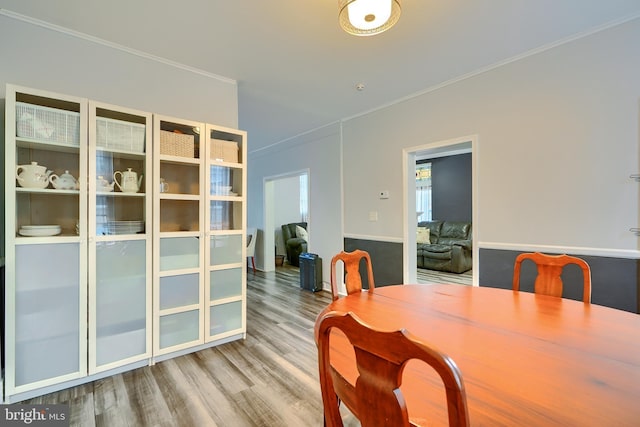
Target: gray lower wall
[
  {"x": 451, "y": 185},
  {"x": 614, "y": 281},
  {"x": 386, "y": 258}
]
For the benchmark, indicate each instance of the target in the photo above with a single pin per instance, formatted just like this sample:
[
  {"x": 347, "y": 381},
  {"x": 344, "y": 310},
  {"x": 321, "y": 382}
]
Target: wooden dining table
[{"x": 526, "y": 359}]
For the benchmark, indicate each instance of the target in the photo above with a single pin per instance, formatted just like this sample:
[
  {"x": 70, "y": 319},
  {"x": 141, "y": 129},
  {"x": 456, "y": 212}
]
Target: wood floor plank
[
  {"x": 430, "y": 277},
  {"x": 81, "y": 411}
]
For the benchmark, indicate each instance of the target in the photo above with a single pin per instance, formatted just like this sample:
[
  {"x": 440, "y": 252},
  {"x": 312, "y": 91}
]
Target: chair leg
[{"x": 253, "y": 264}]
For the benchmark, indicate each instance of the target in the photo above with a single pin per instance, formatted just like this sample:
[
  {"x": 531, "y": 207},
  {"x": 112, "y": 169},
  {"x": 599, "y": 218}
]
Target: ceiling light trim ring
[{"x": 348, "y": 26}]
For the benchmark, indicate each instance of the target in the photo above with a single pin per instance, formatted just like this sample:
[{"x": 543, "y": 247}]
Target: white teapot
[
  {"x": 33, "y": 175},
  {"x": 66, "y": 181},
  {"x": 130, "y": 181},
  {"x": 103, "y": 185}
]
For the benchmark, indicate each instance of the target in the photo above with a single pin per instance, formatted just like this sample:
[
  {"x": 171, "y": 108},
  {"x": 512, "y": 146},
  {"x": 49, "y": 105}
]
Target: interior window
[
  {"x": 304, "y": 198},
  {"x": 423, "y": 191}
]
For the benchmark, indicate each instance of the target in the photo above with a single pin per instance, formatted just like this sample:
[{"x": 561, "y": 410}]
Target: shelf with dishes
[
  {"x": 32, "y": 231},
  {"x": 107, "y": 228},
  {"x": 179, "y": 179},
  {"x": 47, "y": 208},
  {"x": 118, "y": 194},
  {"x": 225, "y": 181},
  {"x": 51, "y": 191},
  {"x": 32, "y": 175}
]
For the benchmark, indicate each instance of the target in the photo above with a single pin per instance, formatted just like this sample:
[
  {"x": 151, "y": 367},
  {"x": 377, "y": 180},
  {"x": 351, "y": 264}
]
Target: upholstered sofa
[
  {"x": 294, "y": 243},
  {"x": 449, "y": 246}
]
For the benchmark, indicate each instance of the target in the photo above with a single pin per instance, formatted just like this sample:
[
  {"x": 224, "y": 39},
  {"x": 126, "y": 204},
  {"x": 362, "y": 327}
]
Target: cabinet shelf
[
  {"x": 173, "y": 196},
  {"x": 164, "y": 158},
  {"x": 123, "y": 154},
  {"x": 36, "y": 144},
  {"x": 51, "y": 191},
  {"x": 224, "y": 232},
  {"x": 60, "y": 238},
  {"x": 226, "y": 198},
  {"x": 119, "y": 194},
  {"x": 169, "y": 234},
  {"x": 226, "y": 164},
  {"x": 120, "y": 237}
]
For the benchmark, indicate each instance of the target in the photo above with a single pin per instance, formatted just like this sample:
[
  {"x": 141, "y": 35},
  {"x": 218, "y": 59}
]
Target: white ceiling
[{"x": 297, "y": 70}]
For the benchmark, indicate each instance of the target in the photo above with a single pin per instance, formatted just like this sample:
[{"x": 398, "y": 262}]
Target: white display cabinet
[
  {"x": 199, "y": 235},
  {"x": 178, "y": 235},
  {"x": 120, "y": 243},
  {"x": 125, "y": 239},
  {"x": 45, "y": 236}
]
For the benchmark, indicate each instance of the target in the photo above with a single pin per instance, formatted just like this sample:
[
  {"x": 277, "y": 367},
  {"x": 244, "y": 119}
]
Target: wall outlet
[
  {"x": 373, "y": 216},
  {"x": 384, "y": 194}
]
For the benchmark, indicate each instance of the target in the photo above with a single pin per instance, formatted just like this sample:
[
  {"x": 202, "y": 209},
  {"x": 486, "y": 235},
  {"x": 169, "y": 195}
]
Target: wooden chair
[
  {"x": 376, "y": 398},
  {"x": 353, "y": 281},
  {"x": 548, "y": 281}
]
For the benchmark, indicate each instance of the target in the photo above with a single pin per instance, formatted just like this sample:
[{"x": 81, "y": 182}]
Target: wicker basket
[
  {"x": 177, "y": 144},
  {"x": 120, "y": 135},
  {"x": 47, "y": 124},
  {"x": 224, "y": 151}
]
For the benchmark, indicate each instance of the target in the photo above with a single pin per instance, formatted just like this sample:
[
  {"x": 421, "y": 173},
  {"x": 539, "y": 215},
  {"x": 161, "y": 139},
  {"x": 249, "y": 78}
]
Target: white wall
[
  {"x": 287, "y": 196},
  {"x": 558, "y": 139},
  {"x": 286, "y": 206},
  {"x": 319, "y": 152},
  {"x": 43, "y": 58}
]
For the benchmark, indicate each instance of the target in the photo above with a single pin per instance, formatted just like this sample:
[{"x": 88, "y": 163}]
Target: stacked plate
[
  {"x": 39, "y": 230},
  {"x": 123, "y": 227}
]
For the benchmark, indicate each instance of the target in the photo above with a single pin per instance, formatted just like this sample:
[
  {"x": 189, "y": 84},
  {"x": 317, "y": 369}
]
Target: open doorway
[
  {"x": 286, "y": 200},
  {"x": 415, "y": 161}
]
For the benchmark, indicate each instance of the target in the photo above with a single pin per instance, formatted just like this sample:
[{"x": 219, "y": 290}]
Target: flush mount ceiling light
[{"x": 368, "y": 17}]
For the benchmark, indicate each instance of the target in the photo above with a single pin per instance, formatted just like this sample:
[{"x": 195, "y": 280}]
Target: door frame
[
  {"x": 268, "y": 240},
  {"x": 459, "y": 145}
]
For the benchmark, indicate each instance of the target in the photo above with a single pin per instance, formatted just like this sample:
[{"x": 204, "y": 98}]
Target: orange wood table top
[{"x": 526, "y": 359}]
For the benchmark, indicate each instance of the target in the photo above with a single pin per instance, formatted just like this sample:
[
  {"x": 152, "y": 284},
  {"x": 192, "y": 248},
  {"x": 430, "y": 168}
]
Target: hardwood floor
[
  {"x": 430, "y": 277},
  {"x": 269, "y": 379}
]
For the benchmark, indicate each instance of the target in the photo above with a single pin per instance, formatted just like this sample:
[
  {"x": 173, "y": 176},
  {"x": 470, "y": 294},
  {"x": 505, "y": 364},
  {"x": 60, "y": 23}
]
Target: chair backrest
[
  {"x": 252, "y": 233},
  {"x": 380, "y": 358},
  {"x": 352, "y": 280},
  {"x": 548, "y": 281}
]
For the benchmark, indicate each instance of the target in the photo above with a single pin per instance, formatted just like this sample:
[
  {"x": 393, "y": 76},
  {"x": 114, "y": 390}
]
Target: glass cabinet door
[
  {"x": 45, "y": 219},
  {"x": 119, "y": 236},
  {"x": 178, "y": 235},
  {"x": 121, "y": 301},
  {"x": 226, "y": 206},
  {"x": 47, "y": 321}
]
